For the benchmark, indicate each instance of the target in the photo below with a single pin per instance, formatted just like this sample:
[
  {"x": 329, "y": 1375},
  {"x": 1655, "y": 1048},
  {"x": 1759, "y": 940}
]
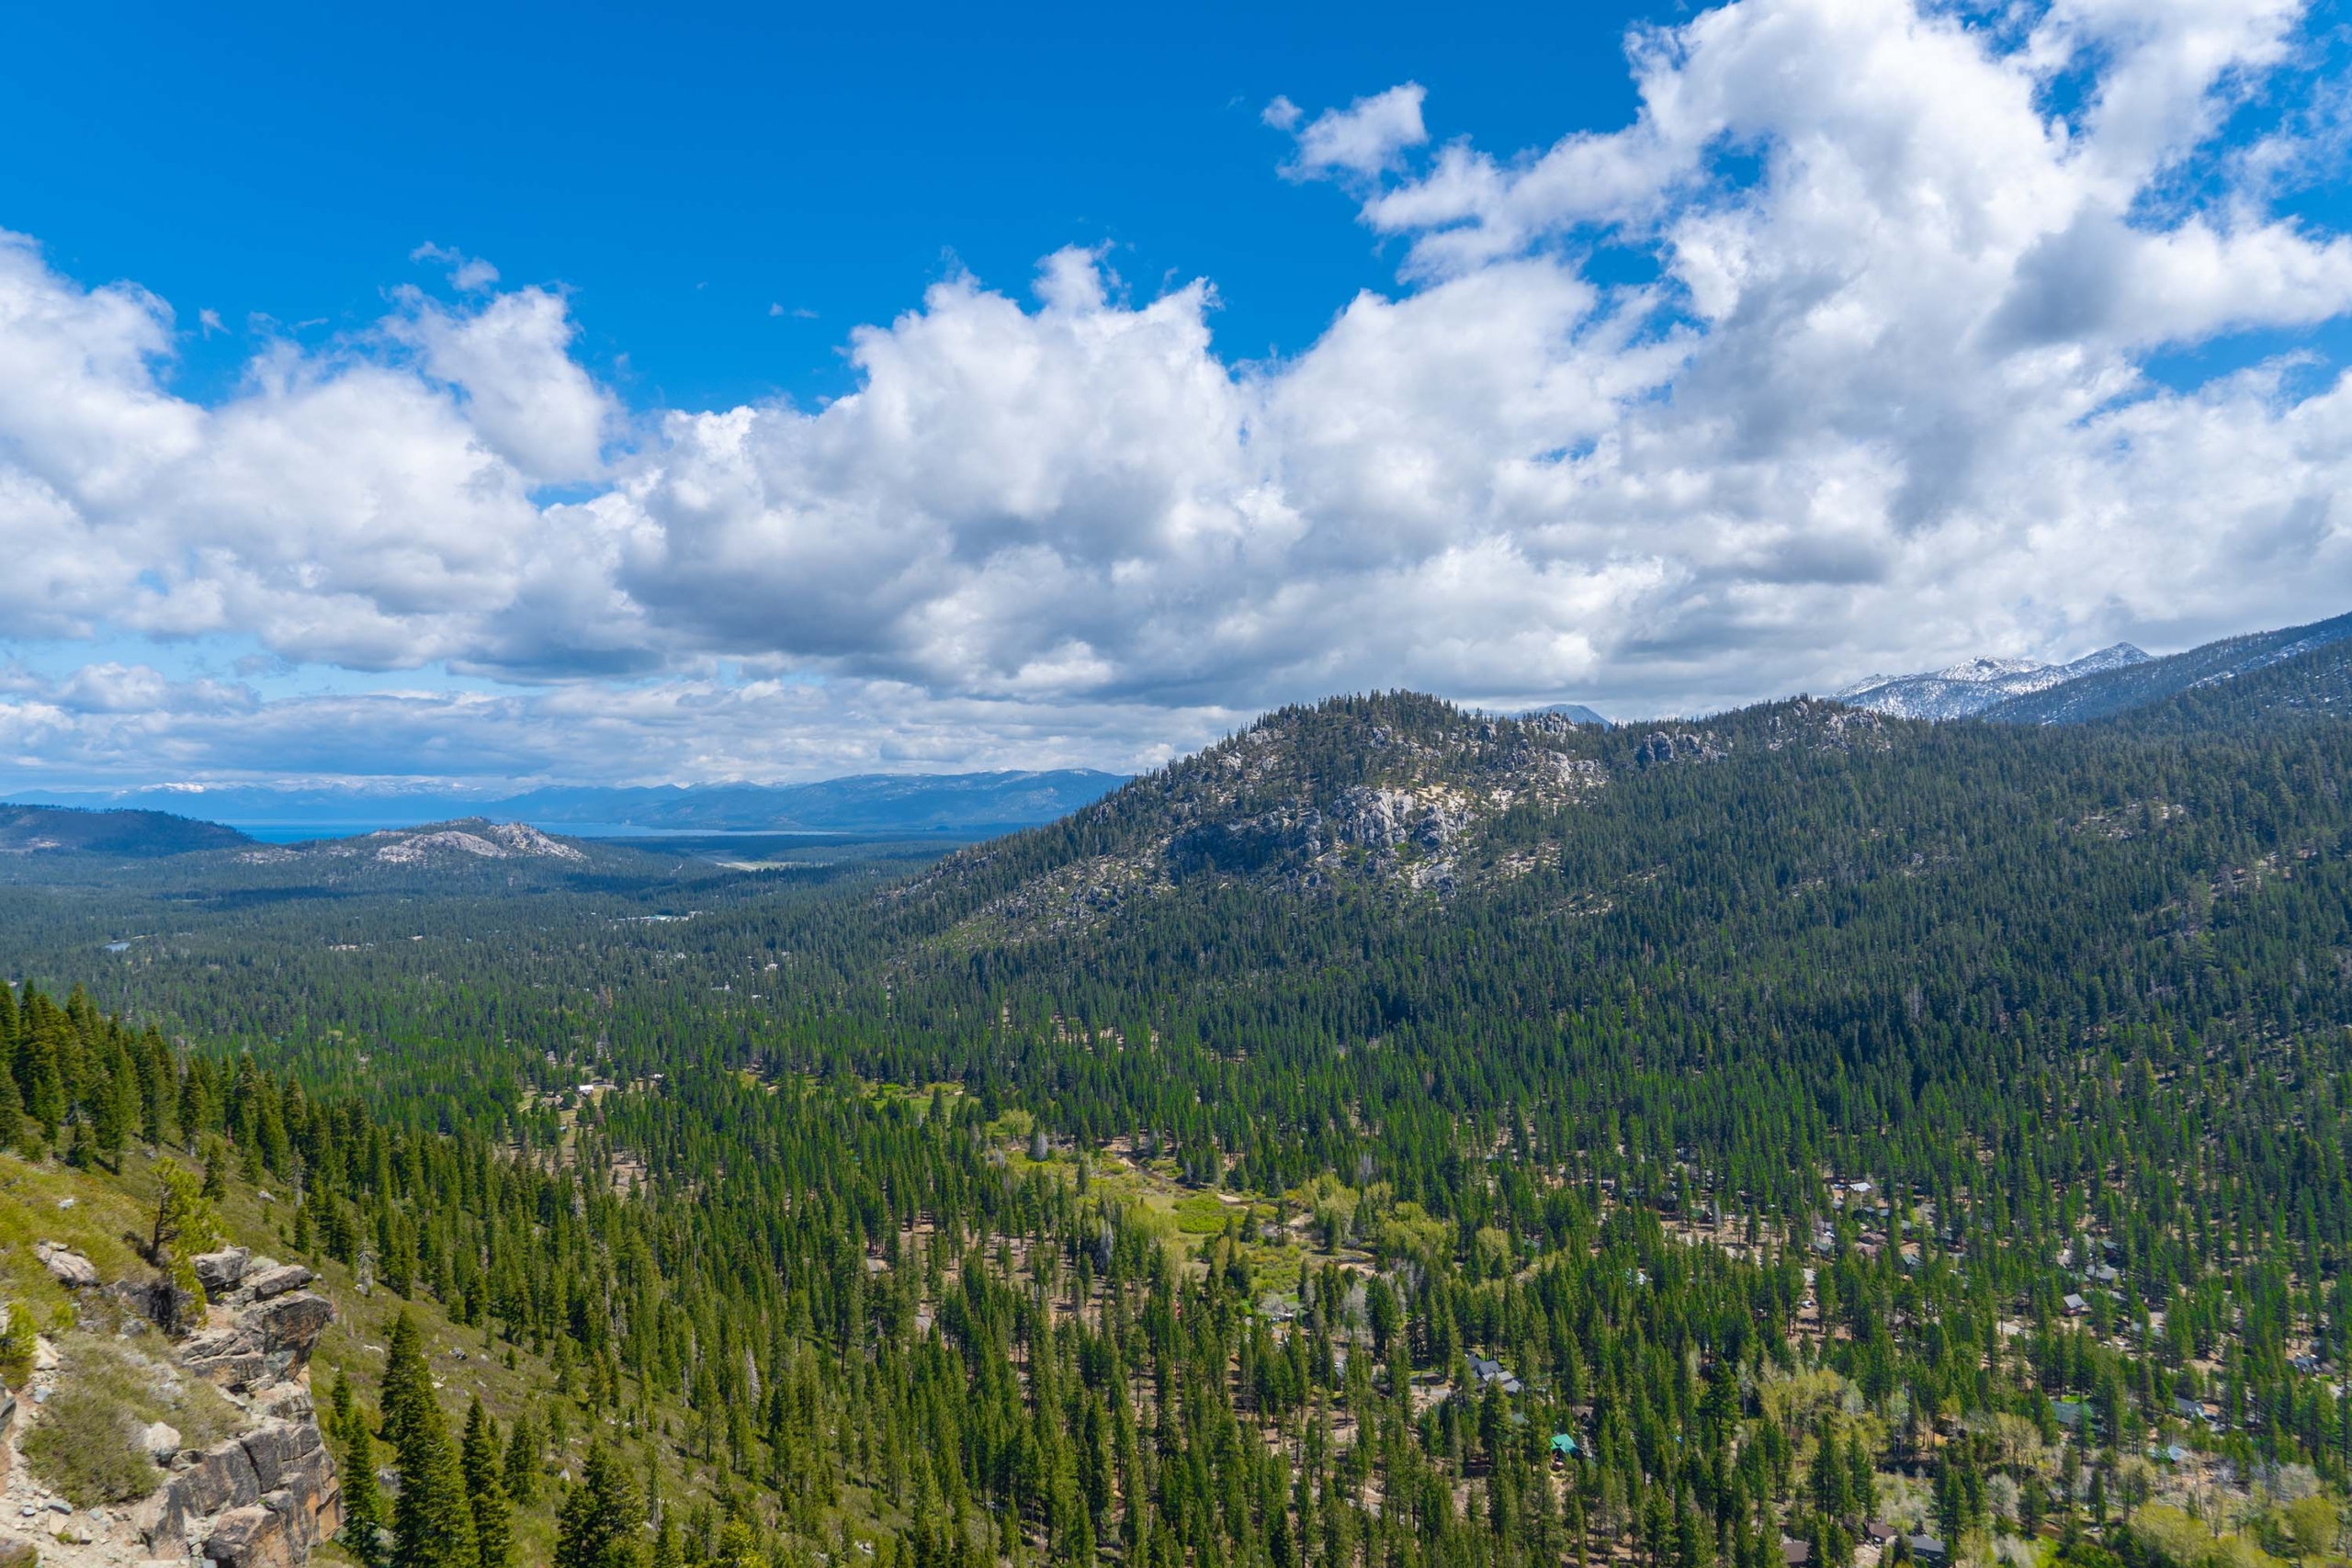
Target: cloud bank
[{"x": 1838, "y": 356}]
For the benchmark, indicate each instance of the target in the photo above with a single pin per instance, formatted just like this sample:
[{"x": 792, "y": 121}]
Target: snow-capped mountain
[
  {"x": 2144, "y": 681},
  {"x": 1974, "y": 684}
]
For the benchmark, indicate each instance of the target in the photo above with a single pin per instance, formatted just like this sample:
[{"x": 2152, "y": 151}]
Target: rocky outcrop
[
  {"x": 259, "y": 1499},
  {"x": 1387, "y": 818},
  {"x": 67, "y": 1266},
  {"x": 264, "y": 1343},
  {"x": 219, "y": 1272},
  {"x": 1677, "y": 746},
  {"x": 264, "y": 1497},
  {"x": 470, "y": 836},
  {"x": 264, "y": 1283}
]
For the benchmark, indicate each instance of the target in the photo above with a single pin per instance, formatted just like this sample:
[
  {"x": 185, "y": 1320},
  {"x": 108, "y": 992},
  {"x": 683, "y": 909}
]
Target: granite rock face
[
  {"x": 260, "y": 1499},
  {"x": 265, "y": 1496},
  {"x": 264, "y": 1283},
  {"x": 265, "y": 1343}
]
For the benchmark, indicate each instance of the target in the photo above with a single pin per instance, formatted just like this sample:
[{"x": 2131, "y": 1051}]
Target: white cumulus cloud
[
  {"x": 1886, "y": 394},
  {"x": 1362, "y": 139}
]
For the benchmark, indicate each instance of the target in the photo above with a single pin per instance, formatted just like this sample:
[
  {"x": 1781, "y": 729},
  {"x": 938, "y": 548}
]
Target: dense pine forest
[{"x": 1394, "y": 1136}]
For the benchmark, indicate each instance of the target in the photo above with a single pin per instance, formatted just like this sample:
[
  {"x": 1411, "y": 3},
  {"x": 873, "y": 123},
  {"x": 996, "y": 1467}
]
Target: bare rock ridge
[
  {"x": 260, "y": 1496},
  {"x": 484, "y": 840},
  {"x": 434, "y": 846}
]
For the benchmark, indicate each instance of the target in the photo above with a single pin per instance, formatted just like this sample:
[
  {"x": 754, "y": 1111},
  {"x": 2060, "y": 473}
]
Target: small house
[
  {"x": 2075, "y": 1306},
  {"x": 1486, "y": 1370}
]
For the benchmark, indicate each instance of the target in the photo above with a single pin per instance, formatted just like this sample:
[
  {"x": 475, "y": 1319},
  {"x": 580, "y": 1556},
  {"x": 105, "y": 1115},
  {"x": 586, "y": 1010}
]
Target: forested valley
[{"x": 1394, "y": 1136}]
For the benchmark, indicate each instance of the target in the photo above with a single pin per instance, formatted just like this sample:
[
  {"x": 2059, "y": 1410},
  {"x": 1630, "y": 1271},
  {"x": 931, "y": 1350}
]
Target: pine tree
[
  {"x": 339, "y": 1406},
  {"x": 408, "y": 1381},
  {"x": 521, "y": 1472},
  {"x": 433, "y": 1525},
  {"x": 12, "y": 1104},
  {"x": 598, "y": 1525},
  {"x": 485, "y": 1490},
  {"x": 363, "y": 1500}
]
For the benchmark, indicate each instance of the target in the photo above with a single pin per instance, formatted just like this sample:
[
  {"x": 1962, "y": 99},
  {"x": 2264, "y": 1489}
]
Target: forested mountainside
[
  {"x": 51, "y": 829},
  {"x": 1394, "y": 1136},
  {"x": 2115, "y": 691}
]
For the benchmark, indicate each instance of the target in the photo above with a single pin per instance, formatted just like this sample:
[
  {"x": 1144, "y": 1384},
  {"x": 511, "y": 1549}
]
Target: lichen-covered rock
[
  {"x": 231, "y": 1357},
  {"x": 252, "y": 1536},
  {"x": 279, "y": 1450},
  {"x": 285, "y": 1402},
  {"x": 261, "y": 1498},
  {"x": 267, "y": 1342},
  {"x": 220, "y": 1272},
  {"x": 221, "y": 1480},
  {"x": 289, "y": 1328},
  {"x": 164, "y": 1302},
  {"x": 266, "y": 1283},
  {"x": 67, "y": 1266}
]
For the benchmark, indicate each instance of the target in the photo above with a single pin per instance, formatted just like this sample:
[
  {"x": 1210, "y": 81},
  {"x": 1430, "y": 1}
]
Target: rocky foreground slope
[{"x": 250, "y": 1483}]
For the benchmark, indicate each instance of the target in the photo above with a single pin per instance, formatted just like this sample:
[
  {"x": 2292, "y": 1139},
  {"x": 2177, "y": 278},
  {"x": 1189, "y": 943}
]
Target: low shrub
[{"x": 83, "y": 1449}]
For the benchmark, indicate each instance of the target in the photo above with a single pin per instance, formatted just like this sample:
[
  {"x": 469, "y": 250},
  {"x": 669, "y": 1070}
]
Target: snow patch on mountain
[{"x": 1973, "y": 685}]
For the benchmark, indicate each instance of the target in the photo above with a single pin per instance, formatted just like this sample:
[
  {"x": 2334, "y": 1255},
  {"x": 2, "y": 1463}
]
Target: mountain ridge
[
  {"x": 2106, "y": 694},
  {"x": 944, "y": 803},
  {"x": 32, "y": 828},
  {"x": 1973, "y": 685}
]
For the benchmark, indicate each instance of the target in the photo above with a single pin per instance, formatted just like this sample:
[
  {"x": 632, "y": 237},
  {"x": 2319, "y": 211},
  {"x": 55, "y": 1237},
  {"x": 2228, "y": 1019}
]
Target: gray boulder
[
  {"x": 220, "y": 1272},
  {"x": 266, "y": 1283},
  {"x": 68, "y": 1268}
]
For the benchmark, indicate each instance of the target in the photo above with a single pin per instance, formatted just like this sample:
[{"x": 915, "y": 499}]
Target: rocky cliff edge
[{"x": 259, "y": 1492}]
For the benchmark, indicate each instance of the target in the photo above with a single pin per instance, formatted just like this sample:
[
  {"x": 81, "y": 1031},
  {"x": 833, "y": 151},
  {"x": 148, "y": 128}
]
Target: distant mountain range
[
  {"x": 1394, "y": 796},
  {"x": 2104, "y": 694},
  {"x": 972, "y": 804},
  {"x": 2301, "y": 670},
  {"x": 2099, "y": 685},
  {"x": 1978, "y": 684}
]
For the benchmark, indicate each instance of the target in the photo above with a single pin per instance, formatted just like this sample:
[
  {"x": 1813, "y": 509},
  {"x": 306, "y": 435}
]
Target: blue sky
[
  {"x": 501, "y": 395},
  {"x": 682, "y": 174}
]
